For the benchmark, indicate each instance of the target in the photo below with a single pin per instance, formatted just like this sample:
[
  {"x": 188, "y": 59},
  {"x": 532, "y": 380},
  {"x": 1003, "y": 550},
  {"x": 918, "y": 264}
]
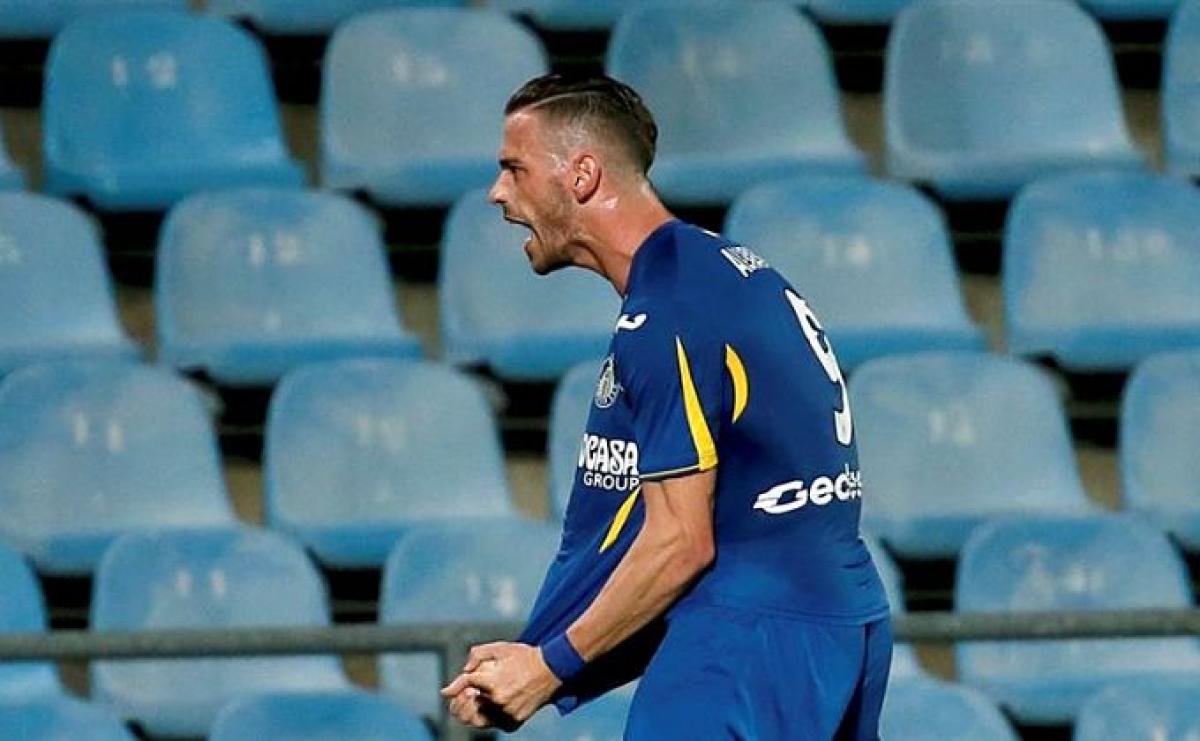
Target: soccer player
[{"x": 717, "y": 495}]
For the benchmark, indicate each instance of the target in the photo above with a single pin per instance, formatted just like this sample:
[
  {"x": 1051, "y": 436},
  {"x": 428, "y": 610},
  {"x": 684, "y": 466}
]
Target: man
[{"x": 718, "y": 480}]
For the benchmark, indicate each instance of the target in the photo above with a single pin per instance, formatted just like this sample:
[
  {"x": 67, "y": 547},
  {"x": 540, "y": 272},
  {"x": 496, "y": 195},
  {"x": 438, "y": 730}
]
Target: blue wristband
[{"x": 562, "y": 658}]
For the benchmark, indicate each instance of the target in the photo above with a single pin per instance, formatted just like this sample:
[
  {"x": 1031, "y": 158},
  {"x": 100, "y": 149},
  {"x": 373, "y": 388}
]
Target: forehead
[{"x": 523, "y": 132}]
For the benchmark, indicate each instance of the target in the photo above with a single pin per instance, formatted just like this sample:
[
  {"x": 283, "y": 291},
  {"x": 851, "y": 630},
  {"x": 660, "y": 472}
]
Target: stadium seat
[
  {"x": 143, "y": 108},
  {"x": 11, "y": 177},
  {"x": 290, "y": 17},
  {"x": 565, "y": 15},
  {"x": 904, "y": 658},
  {"x": 603, "y": 719},
  {"x": 873, "y": 259},
  {"x": 1131, "y": 10},
  {"x": 89, "y": 451},
  {"x": 1100, "y": 562},
  {"x": 205, "y": 579},
  {"x": 252, "y": 283},
  {"x": 465, "y": 572},
  {"x": 400, "y": 442},
  {"x": 495, "y": 311},
  {"x": 1145, "y": 710},
  {"x": 56, "y": 297},
  {"x": 1100, "y": 271},
  {"x": 979, "y": 101},
  {"x": 60, "y": 719},
  {"x": 22, "y": 611},
  {"x": 569, "y": 411},
  {"x": 1160, "y": 434},
  {"x": 926, "y": 709},
  {"x": 951, "y": 440},
  {"x": 412, "y": 101},
  {"x": 856, "y": 12},
  {"x": 1180, "y": 93},
  {"x": 317, "y": 716},
  {"x": 700, "y": 67},
  {"x": 41, "y": 19}
]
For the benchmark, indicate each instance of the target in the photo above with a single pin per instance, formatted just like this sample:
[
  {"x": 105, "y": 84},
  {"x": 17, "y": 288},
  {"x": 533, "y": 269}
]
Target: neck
[{"x": 614, "y": 230}]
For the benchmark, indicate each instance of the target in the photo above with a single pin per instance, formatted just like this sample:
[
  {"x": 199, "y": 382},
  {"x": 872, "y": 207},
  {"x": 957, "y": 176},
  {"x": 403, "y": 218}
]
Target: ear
[{"x": 585, "y": 177}]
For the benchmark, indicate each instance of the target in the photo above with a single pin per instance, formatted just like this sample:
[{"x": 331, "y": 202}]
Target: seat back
[
  {"x": 568, "y": 418},
  {"x": 1152, "y": 708},
  {"x": 318, "y": 716},
  {"x": 22, "y": 611}
]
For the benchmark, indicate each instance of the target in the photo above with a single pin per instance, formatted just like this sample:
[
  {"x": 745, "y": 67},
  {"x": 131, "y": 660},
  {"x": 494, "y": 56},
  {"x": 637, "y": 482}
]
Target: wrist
[{"x": 561, "y": 657}]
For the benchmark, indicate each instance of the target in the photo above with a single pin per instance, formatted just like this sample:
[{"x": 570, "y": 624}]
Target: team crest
[{"x": 607, "y": 387}]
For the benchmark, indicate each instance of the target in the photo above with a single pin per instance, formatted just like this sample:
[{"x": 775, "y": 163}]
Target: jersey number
[{"x": 842, "y": 423}]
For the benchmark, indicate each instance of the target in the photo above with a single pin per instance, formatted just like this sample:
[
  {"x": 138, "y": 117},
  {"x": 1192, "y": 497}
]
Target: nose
[{"x": 496, "y": 193}]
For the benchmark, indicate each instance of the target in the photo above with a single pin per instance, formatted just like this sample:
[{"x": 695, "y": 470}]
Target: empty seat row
[{"x": 977, "y": 101}]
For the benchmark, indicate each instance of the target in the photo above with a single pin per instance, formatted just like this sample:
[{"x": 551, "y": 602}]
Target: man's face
[{"x": 531, "y": 189}]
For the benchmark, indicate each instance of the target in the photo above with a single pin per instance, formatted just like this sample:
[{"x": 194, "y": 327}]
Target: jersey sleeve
[{"x": 671, "y": 367}]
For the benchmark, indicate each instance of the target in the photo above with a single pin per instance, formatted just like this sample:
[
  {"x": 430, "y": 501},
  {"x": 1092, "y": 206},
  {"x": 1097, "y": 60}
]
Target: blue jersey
[{"x": 716, "y": 361}]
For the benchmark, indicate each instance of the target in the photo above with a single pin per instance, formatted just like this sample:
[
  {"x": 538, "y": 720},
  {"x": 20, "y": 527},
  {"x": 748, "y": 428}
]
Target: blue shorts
[{"x": 727, "y": 673}]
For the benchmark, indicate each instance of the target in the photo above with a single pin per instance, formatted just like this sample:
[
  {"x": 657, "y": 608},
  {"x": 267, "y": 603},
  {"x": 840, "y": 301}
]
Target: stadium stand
[
  {"x": 568, "y": 415},
  {"x": 11, "y": 177},
  {"x": 22, "y": 611},
  {"x": 205, "y": 579},
  {"x": 317, "y": 716},
  {"x": 856, "y": 12},
  {"x": 1080, "y": 255},
  {"x": 495, "y": 312},
  {"x": 1131, "y": 10},
  {"x": 401, "y": 443},
  {"x": 90, "y": 451},
  {"x": 1113, "y": 562},
  {"x": 565, "y": 15},
  {"x": 926, "y": 709},
  {"x": 457, "y": 572},
  {"x": 701, "y": 66},
  {"x": 144, "y": 108},
  {"x": 1160, "y": 434},
  {"x": 42, "y": 19},
  {"x": 872, "y": 258},
  {"x": 1181, "y": 92},
  {"x": 952, "y": 440},
  {"x": 959, "y": 83},
  {"x": 252, "y": 283},
  {"x": 600, "y": 720},
  {"x": 60, "y": 719},
  {"x": 286, "y": 17},
  {"x": 904, "y": 658},
  {"x": 56, "y": 297},
  {"x": 1161, "y": 708},
  {"x": 411, "y": 100}
]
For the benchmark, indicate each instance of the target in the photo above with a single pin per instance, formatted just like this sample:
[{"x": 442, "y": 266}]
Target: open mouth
[{"x": 518, "y": 222}]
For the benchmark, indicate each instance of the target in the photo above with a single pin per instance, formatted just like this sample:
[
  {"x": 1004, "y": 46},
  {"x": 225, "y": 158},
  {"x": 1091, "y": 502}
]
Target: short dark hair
[{"x": 610, "y": 105}]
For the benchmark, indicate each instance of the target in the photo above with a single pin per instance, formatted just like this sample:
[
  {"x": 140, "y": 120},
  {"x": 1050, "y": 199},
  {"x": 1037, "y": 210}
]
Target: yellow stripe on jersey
[
  {"x": 619, "y": 520},
  {"x": 706, "y": 451},
  {"x": 741, "y": 387}
]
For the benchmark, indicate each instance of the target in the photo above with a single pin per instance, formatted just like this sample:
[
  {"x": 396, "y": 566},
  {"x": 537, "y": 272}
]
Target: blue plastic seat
[
  {"x": 568, "y": 417},
  {"x": 603, "y": 719},
  {"x": 1101, "y": 271},
  {"x": 1100, "y": 562},
  {"x": 205, "y": 579},
  {"x": 401, "y": 442},
  {"x": 1180, "y": 94},
  {"x": 465, "y": 572},
  {"x": 287, "y": 17},
  {"x": 925, "y": 709},
  {"x": 1160, "y": 434},
  {"x": 701, "y": 66},
  {"x": 413, "y": 100},
  {"x": 1131, "y": 10},
  {"x": 495, "y": 311},
  {"x": 60, "y": 719},
  {"x": 951, "y": 440},
  {"x": 90, "y": 451},
  {"x": 979, "y": 101},
  {"x": 872, "y": 257},
  {"x": 1146, "y": 710},
  {"x": 22, "y": 611},
  {"x": 904, "y": 658},
  {"x": 565, "y": 15},
  {"x": 317, "y": 716},
  {"x": 11, "y": 177},
  {"x": 856, "y": 12},
  {"x": 252, "y": 283},
  {"x": 41, "y": 19},
  {"x": 143, "y": 108},
  {"x": 56, "y": 297}
]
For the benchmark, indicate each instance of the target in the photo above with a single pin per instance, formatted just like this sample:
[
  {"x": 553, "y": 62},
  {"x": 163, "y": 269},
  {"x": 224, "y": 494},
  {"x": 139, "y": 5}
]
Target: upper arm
[{"x": 681, "y": 509}]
